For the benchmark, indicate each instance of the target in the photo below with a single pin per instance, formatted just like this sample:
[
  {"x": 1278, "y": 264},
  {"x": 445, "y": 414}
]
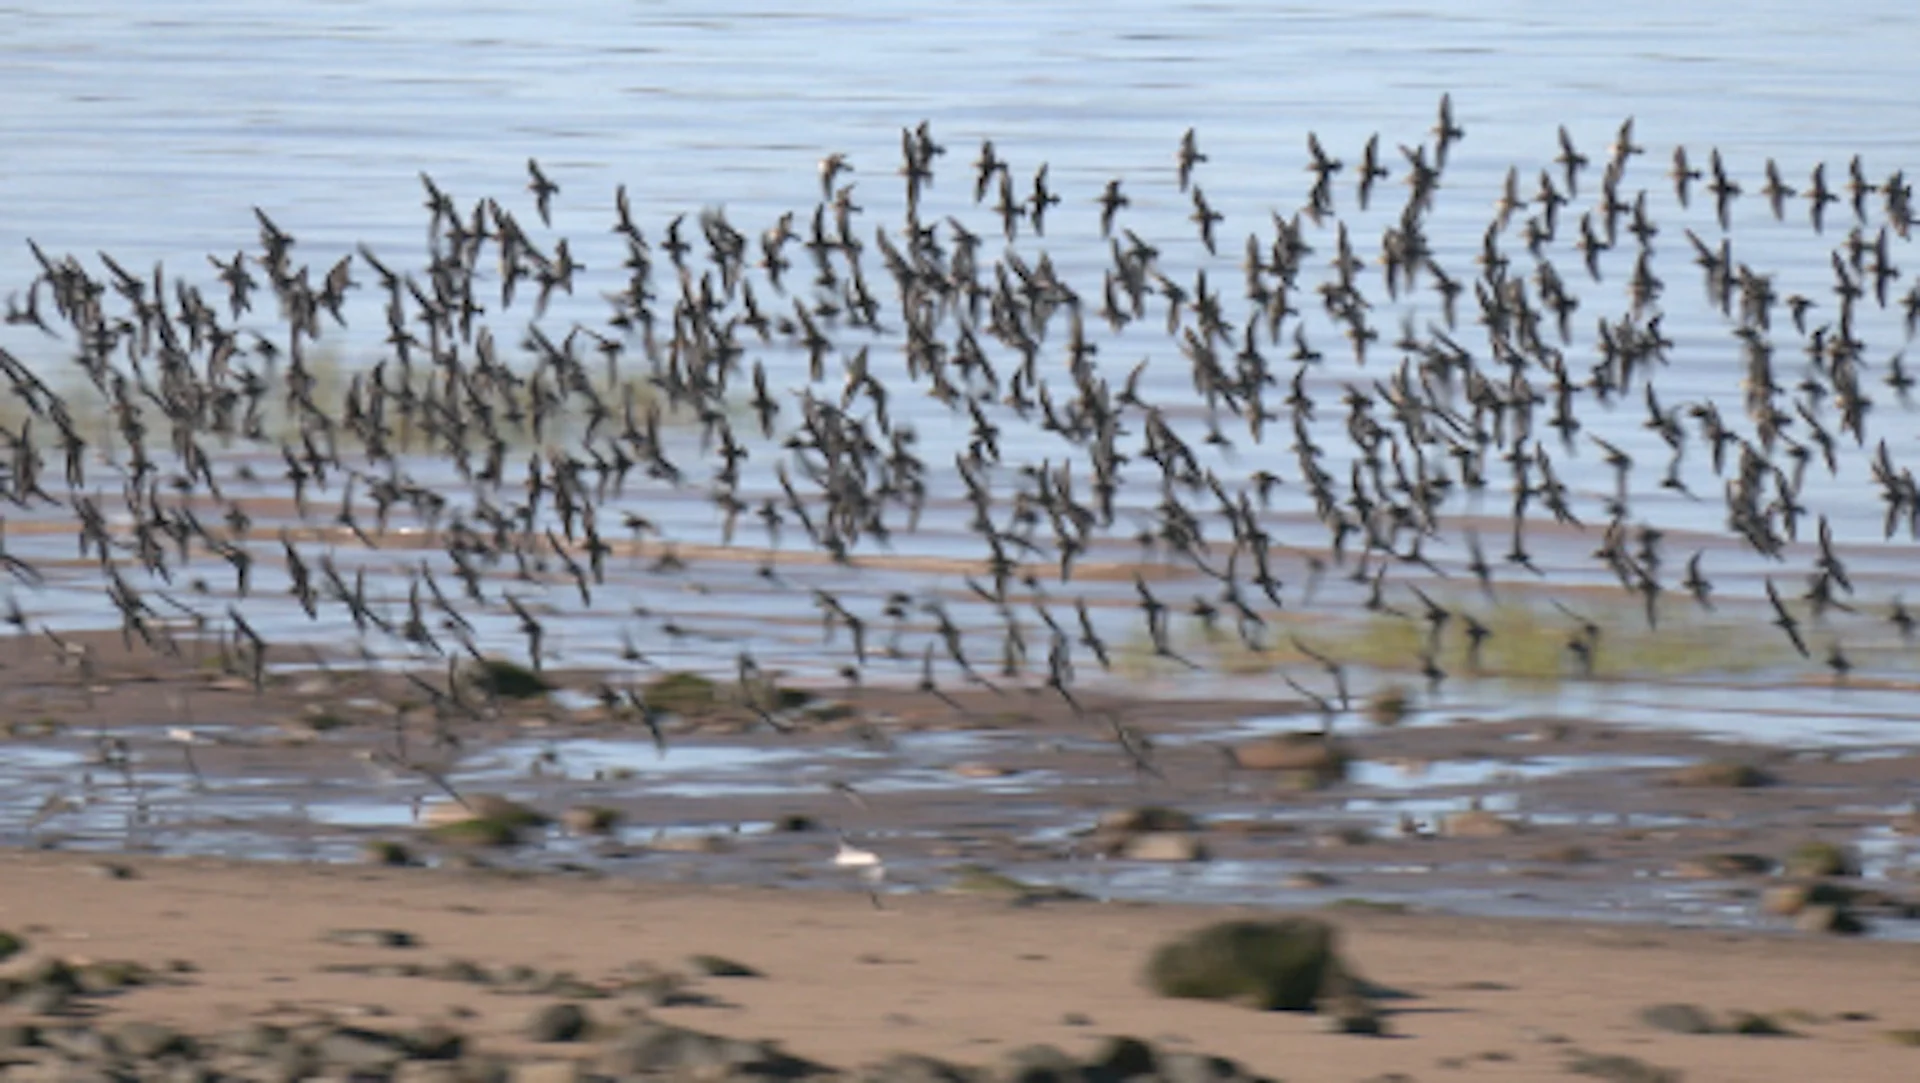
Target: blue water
[{"x": 151, "y": 132}]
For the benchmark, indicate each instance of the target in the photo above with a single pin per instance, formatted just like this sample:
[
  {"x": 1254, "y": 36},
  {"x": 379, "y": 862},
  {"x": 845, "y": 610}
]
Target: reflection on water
[
  {"x": 154, "y": 131},
  {"x": 151, "y": 131}
]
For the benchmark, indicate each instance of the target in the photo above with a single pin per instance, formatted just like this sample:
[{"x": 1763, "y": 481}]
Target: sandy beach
[{"x": 959, "y": 978}]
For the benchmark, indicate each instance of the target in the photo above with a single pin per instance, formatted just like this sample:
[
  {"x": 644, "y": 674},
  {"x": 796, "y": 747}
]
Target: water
[
  {"x": 707, "y": 810},
  {"x": 152, "y": 133}
]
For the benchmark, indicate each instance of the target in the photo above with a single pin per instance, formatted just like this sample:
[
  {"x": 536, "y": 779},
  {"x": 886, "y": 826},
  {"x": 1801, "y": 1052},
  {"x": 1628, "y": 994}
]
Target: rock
[
  {"x": 386, "y": 852},
  {"x": 1755, "y": 1025},
  {"x": 1312, "y": 754},
  {"x": 682, "y": 693},
  {"x": 371, "y": 938},
  {"x": 1146, "y": 819},
  {"x": 291, "y": 1062},
  {"x": 507, "y": 680},
  {"x": 148, "y": 1041},
  {"x": 1353, "y": 1014},
  {"x": 690, "y": 844},
  {"x": 1829, "y": 918},
  {"x": 54, "y": 973},
  {"x": 590, "y": 820},
  {"x": 653, "y": 1047},
  {"x": 1198, "y": 1068},
  {"x": 795, "y": 822},
  {"x": 719, "y": 966},
  {"x": 354, "y": 1049},
  {"x": 545, "y": 1071},
  {"x": 1677, "y": 1018},
  {"x": 1121, "y": 1058},
  {"x": 1721, "y": 774},
  {"x": 916, "y": 1068},
  {"x": 984, "y": 770},
  {"x": 1476, "y": 824},
  {"x": 562, "y": 1022},
  {"x": 435, "y": 1041},
  {"x": 572, "y": 988},
  {"x": 645, "y": 1047},
  {"x": 486, "y": 806},
  {"x": 979, "y": 880},
  {"x": 1724, "y": 866},
  {"x": 462, "y": 970},
  {"x": 1568, "y": 854},
  {"x": 1786, "y": 900},
  {"x": 476, "y": 833},
  {"x": 1343, "y": 837},
  {"x": 423, "y": 1071},
  {"x": 43, "y": 999},
  {"x": 1274, "y": 965},
  {"x": 1161, "y": 846},
  {"x": 1620, "y": 1069},
  {"x": 662, "y": 989},
  {"x": 1309, "y": 880},
  {"x": 485, "y": 1068},
  {"x": 108, "y": 976},
  {"x": 18, "y": 1036},
  {"x": 1038, "y": 1064},
  {"x": 256, "y": 1039},
  {"x": 520, "y": 978},
  {"x": 1389, "y": 706},
  {"x": 78, "y": 1042},
  {"x": 1816, "y": 859}
]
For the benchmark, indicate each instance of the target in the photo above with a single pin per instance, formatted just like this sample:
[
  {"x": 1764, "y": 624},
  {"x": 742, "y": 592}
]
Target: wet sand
[
  {"x": 967, "y": 979},
  {"x": 1486, "y": 810}
]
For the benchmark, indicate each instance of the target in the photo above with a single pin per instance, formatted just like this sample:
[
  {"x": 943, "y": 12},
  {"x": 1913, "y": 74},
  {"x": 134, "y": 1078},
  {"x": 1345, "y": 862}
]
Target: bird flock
[{"x": 1171, "y": 424}]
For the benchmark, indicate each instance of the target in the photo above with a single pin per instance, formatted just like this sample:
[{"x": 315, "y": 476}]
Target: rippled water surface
[{"x": 152, "y": 131}]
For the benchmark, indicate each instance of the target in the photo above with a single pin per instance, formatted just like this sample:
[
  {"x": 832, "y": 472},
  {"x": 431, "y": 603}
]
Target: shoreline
[{"x": 1511, "y": 814}]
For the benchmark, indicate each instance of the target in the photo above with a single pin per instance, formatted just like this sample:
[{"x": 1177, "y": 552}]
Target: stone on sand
[
  {"x": 1307, "y": 753},
  {"x": 1815, "y": 859},
  {"x": 1721, "y": 774},
  {"x": 1160, "y": 846},
  {"x": 1146, "y": 819},
  {"x": 1677, "y": 1018},
  {"x": 562, "y": 1022},
  {"x": 1275, "y": 965},
  {"x": 1477, "y": 824}
]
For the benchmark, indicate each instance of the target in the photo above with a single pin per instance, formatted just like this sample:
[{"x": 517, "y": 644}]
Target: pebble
[
  {"x": 1198, "y": 1068},
  {"x": 1476, "y": 824},
  {"x": 147, "y": 1041},
  {"x": 546, "y": 1071},
  {"x": 915, "y": 1068},
  {"x": 1038, "y": 1063},
  {"x": 562, "y": 1022},
  {"x": 371, "y": 938},
  {"x": 1162, "y": 846},
  {"x": 1677, "y": 1018},
  {"x": 353, "y": 1048},
  {"x": 43, "y": 999},
  {"x": 719, "y": 966}
]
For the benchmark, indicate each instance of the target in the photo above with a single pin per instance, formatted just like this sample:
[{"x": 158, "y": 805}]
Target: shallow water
[{"x": 708, "y": 811}]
